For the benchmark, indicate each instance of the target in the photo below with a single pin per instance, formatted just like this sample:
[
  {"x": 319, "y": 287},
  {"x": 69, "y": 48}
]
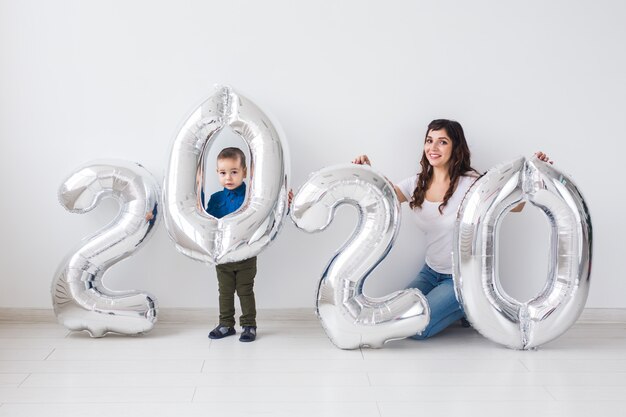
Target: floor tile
[
  {"x": 13, "y": 380},
  {"x": 391, "y": 363},
  {"x": 499, "y": 408},
  {"x": 26, "y": 331},
  {"x": 535, "y": 364},
  {"x": 89, "y": 395},
  {"x": 356, "y": 394},
  {"x": 223, "y": 379},
  {"x": 229, "y": 349},
  {"x": 588, "y": 393},
  {"x": 231, "y": 409},
  {"x": 418, "y": 379},
  {"x": 24, "y": 354},
  {"x": 49, "y": 366}
]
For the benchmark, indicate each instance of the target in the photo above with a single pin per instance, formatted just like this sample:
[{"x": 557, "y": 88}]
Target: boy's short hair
[{"x": 233, "y": 153}]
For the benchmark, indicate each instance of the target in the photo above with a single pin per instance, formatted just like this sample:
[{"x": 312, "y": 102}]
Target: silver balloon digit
[
  {"x": 247, "y": 231},
  {"x": 349, "y": 317},
  {"x": 492, "y": 312},
  {"x": 80, "y": 300}
]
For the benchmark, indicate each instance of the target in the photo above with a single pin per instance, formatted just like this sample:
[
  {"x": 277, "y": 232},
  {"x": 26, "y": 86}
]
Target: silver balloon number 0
[
  {"x": 492, "y": 312},
  {"x": 349, "y": 317},
  {"x": 247, "y": 231},
  {"x": 80, "y": 300}
]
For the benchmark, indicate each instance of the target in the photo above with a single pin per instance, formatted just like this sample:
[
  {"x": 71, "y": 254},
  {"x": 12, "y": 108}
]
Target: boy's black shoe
[
  {"x": 465, "y": 323},
  {"x": 221, "y": 331},
  {"x": 248, "y": 334}
]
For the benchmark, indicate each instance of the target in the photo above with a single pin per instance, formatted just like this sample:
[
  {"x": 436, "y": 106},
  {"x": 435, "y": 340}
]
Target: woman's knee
[{"x": 422, "y": 284}]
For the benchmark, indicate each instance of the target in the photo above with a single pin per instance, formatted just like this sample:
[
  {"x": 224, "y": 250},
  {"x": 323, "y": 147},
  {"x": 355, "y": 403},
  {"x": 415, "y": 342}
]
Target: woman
[{"x": 435, "y": 195}]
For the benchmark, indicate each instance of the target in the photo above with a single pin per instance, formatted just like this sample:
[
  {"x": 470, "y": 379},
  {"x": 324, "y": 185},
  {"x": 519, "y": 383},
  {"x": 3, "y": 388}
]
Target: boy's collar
[{"x": 237, "y": 191}]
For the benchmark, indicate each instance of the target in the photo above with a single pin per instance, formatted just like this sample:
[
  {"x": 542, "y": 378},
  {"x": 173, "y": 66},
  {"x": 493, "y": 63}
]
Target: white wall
[{"x": 115, "y": 79}]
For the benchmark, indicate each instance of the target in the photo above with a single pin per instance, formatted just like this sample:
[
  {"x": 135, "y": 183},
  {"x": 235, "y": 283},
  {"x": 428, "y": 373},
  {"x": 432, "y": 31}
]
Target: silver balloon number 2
[
  {"x": 492, "y": 312},
  {"x": 349, "y": 317},
  {"x": 80, "y": 300},
  {"x": 247, "y": 231}
]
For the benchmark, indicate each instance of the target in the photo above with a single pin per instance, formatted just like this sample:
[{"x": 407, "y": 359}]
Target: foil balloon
[
  {"x": 244, "y": 233},
  {"x": 80, "y": 300},
  {"x": 349, "y": 317},
  {"x": 522, "y": 325}
]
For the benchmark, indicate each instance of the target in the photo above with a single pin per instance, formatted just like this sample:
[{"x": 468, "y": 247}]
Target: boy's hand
[
  {"x": 362, "y": 160},
  {"x": 289, "y": 197}
]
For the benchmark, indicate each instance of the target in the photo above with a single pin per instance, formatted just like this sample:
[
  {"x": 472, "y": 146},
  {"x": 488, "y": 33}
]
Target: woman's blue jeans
[{"x": 444, "y": 307}]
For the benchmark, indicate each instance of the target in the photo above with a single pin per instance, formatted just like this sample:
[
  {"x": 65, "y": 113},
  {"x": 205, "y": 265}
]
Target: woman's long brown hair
[{"x": 459, "y": 163}]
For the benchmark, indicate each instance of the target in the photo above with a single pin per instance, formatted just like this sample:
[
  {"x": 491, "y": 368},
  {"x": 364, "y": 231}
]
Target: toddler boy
[{"x": 233, "y": 276}]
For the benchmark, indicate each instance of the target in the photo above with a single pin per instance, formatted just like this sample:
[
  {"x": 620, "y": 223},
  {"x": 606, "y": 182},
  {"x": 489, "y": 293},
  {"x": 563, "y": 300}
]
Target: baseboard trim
[
  {"x": 202, "y": 315},
  {"x": 603, "y": 315},
  {"x": 165, "y": 315}
]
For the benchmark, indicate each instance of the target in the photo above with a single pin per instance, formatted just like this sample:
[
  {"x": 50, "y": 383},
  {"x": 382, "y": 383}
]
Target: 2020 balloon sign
[{"x": 349, "y": 317}]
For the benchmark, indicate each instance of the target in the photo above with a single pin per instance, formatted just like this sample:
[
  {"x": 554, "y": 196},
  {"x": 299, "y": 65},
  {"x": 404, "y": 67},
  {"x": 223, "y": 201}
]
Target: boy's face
[{"x": 230, "y": 173}]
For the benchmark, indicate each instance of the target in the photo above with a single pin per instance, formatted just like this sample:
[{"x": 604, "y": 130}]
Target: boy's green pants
[{"x": 237, "y": 276}]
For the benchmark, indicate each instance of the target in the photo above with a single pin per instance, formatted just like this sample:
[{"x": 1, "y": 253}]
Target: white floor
[{"x": 294, "y": 370}]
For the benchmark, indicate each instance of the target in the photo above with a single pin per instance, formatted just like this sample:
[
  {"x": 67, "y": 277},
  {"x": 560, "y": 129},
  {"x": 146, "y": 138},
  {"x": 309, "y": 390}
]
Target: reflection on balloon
[
  {"x": 349, "y": 317},
  {"x": 80, "y": 300},
  {"x": 244, "y": 233},
  {"x": 492, "y": 312}
]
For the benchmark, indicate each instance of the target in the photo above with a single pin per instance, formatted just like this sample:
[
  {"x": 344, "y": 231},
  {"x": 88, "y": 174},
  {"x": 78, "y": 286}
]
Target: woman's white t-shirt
[{"x": 439, "y": 228}]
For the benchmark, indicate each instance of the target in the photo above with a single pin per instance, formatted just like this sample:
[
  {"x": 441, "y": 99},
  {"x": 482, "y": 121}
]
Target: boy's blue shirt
[{"x": 226, "y": 201}]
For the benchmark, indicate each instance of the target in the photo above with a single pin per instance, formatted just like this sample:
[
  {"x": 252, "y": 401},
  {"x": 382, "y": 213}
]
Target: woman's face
[{"x": 438, "y": 148}]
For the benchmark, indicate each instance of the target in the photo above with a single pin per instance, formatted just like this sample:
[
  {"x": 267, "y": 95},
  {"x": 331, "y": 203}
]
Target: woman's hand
[
  {"x": 362, "y": 160},
  {"x": 543, "y": 157}
]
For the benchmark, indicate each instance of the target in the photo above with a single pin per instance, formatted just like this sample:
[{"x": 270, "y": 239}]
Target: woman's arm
[
  {"x": 364, "y": 160},
  {"x": 401, "y": 197}
]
